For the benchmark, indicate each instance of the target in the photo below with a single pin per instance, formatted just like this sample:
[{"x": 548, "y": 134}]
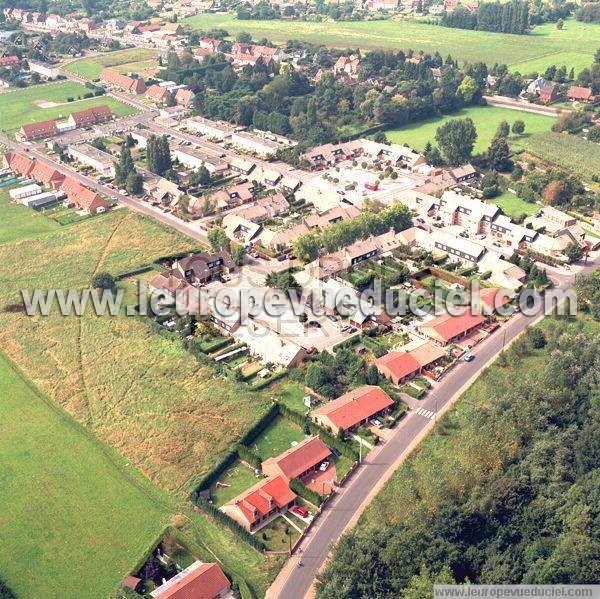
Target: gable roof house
[
  {"x": 31, "y": 131},
  {"x": 577, "y": 93},
  {"x": 46, "y": 174},
  {"x": 446, "y": 329},
  {"x": 398, "y": 366},
  {"x": 254, "y": 507},
  {"x": 19, "y": 164},
  {"x": 549, "y": 93},
  {"x": 128, "y": 84},
  {"x": 158, "y": 93},
  {"x": 82, "y": 197},
  {"x": 352, "y": 409},
  {"x": 90, "y": 116},
  {"x": 197, "y": 581},
  {"x": 299, "y": 460},
  {"x": 184, "y": 97},
  {"x": 264, "y": 208},
  {"x": 203, "y": 267}
]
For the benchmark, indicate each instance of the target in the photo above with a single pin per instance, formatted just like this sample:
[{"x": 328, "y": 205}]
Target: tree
[
  {"x": 238, "y": 255},
  {"x": 518, "y": 127},
  {"x": 573, "y": 252},
  {"x": 432, "y": 155},
  {"x": 158, "y": 155},
  {"x": 420, "y": 586},
  {"x": 560, "y": 24},
  {"x": 218, "y": 239},
  {"x": 170, "y": 100},
  {"x": 456, "y": 138},
  {"x": 124, "y": 166},
  {"x": 243, "y": 37},
  {"x": 499, "y": 154},
  {"x": 503, "y": 129},
  {"x": 467, "y": 89},
  {"x": 133, "y": 183},
  {"x": 594, "y": 135},
  {"x": 537, "y": 338},
  {"x": 103, "y": 280}
]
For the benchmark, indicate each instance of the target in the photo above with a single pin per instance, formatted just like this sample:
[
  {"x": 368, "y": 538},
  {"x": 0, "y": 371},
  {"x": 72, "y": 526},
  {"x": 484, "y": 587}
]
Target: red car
[
  {"x": 311, "y": 350},
  {"x": 297, "y": 509}
]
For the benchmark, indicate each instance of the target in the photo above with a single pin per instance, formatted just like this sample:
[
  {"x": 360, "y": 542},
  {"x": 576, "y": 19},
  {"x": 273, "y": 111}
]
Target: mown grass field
[
  {"x": 18, "y": 222},
  {"x": 132, "y": 59},
  {"x": 569, "y": 151},
  {"x": 543, "y": 44},
  {"x": 20, "y": 107},
  {"x": 72, "y": 524},
  {"x": 486, "y": 119},
  {"x": 513, "y": 205}
]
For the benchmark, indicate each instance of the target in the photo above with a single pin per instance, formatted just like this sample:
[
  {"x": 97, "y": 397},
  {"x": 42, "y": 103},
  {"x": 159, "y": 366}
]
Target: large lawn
[
  {"x": 19, "y": 221},
  {"x": 277, "y": 438},
  {"x": 26, "y": 105},
  {"x": 72, "y": 525},
  {"x": 514, "y": 206},
  {"x": 486, "y": 119},
  {"x": 569, "y": 151},
  {"x": 546, "y": 43},
  {"x": 132, "y": 59}
]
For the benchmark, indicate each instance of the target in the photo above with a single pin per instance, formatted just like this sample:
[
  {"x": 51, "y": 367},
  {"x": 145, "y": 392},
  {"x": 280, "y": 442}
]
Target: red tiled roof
[
  {"x": 355, "y": 406},
  {"x": 399, "y": 364},
  {"x": 40, "y": 129},
  {"x": 488, "y": 296},
  {"x": 206, "y": 581},
  {"x": 447, "y": 327},
  {"x": 298, "y": 459},
  {"x": 125, "y": 82},
  {"x": 19, "y": 164},
  {"x": 7, "y": 61},
  {"x": 93, "y": 115},
  {"x": 45, "y": 174},
  {"x": 262, "y": 498},
  {"x": 156, "y": 92},
  {"x": 579, "y": 93},
  {"x": 184, "y": 97},
  {"x": 81, "y": 196}
]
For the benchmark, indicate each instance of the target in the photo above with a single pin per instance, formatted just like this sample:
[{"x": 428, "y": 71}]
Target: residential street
[{"x": 295, "y": 581}]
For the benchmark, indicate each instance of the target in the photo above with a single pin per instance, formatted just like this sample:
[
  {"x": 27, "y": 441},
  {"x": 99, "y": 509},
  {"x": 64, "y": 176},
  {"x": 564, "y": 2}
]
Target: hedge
[
  {"x": 261, "y": 425},
  {"x": 237, "y": 529},
  {"x": 416, "y": 393},
  {"x": 249, "y": 456},
  {"x": 266, "y": 382},
  {"x": 206, "y": 482},
  {"x": 301, "y": 489}
]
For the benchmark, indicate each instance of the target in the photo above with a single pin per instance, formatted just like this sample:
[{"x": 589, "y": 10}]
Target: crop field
[
  {"x": 546, "y": 44},
  {"x": 133, "y": 59},
  {"x": 569, "y": 151},
  {"x": 28, "y": 105},
  {"x": 19, "y": 221},
  {"x": 486, "y": 119},
  {"x": 73, "y": 525},
  {"x": 139, "y": 392}
]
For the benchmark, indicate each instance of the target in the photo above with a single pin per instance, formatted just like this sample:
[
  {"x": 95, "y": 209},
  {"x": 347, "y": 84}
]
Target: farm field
[
  {"x": 139, "y": 392},
  {"x": 132, "y": 59},
  {"x": 486, "y": 119},
  {"x": 569, "y": 151},
  {"x": 542, "y": 44},
  {"x": 513, "y": 205},
  {"x": 19, "y": 221},
  {"x": 76, "y": 524},
  {"x": 23, "y": 106}
]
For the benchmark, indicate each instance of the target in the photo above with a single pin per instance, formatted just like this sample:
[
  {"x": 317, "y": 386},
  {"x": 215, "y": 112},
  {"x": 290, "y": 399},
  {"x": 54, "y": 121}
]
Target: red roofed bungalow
[
  {"x": 400, "y": 366},
  {"x": 352, "y": 409},
  {"x": 126, "y": 83},
  {"x": 298, "y": 461},
  {"x": 33, "y": 131},
  {"x": 46, "y": 174},
  {"x": 492, "y": 298},
  {"x": 19, "y": 164},
  {"x": 7, "y": 62},
  {"x": 446, "y": 329},
  {"x": 157, "y": 93},
  {"x": 581, "y": 94},
  {"x": 82, "y": 197},
  {"x": 255, "y": 507},
  {"x": 197, "y": 581}
]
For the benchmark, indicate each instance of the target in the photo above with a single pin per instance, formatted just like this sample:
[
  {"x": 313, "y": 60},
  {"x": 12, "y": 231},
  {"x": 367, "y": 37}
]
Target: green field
[
  {"x": 72, "y": 524},
  {"x": 569, "y": 151},
  {"x": 570, "y": 58},
  {"x": 277, "y": 438},
  {"x": 133, "y": 59},
  {"x": 486, "y": 119},
  {"x": 19, "y": 221},
  {"x": 513, "y": 205},
  {"x": 546, "y": 41},
  {"x": 22, "y": 106}
]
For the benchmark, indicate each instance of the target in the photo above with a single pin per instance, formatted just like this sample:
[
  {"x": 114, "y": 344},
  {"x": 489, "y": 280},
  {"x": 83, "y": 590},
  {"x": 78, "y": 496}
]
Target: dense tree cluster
[
  {"x": 589, "y": 13},
  {"x": 521, "y": 501},
  {"x": 158, "y": 156},
  {"x": 509, "y": 17}
]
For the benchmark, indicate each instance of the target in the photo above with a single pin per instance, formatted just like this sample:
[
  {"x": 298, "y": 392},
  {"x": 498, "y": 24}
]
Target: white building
[
  {"x": 23, "y": 192},
  {"x": 100, "y": 161}
]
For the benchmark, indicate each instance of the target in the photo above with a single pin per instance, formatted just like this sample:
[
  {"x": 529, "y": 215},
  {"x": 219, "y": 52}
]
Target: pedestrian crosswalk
[{"x": 425, "y": 413}]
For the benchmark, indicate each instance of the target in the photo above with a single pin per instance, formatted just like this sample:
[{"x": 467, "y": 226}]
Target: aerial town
[{"x": 179, "y": 165}]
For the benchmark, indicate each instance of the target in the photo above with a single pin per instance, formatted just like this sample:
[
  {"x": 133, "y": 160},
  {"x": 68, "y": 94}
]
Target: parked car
[
  {"x": 469, "y": 357},
  {"x": 335, "y": 451},
  {"x": 311, "y": 350},
  {"x": 300, "y": 511},
  {"x": 123, "y": 192},
  {"x": 324, "y": 466},
  {"x": 376, "y": 423}
]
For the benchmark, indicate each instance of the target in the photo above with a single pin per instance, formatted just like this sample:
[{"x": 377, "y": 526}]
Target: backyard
[
  {"x": 513, "y": 205},
  {"x": 546, "y": 45},
  {"x": 279, "y": 436},
  {"x": 486, "y": 120},
  {"x": 239, "y": 477},
  {"x": 27, "y": 105},
  {"x": 136, "y": 60}
]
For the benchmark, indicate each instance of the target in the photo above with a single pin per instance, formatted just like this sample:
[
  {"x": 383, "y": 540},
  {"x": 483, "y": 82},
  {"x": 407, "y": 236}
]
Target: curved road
[{"x": 296, "y": 582}]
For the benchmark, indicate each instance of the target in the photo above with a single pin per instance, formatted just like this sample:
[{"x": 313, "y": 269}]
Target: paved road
[{"x": 295, "y": 582}]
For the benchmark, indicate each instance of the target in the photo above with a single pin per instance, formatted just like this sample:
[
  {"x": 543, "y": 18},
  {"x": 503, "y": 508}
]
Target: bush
[{"x": 103, "y": 280}]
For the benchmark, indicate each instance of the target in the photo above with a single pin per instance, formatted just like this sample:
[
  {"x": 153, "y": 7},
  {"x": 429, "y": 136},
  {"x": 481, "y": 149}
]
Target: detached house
[
  {"x": 581, "y": 94},
  {"x": 197, "y": 581},
  {"x": 298, "y": 461},
  {"x": 399, "y": 366},
  {"x": 447, "y": 329},
  {"x": 126, "y": 83},
  {"x": 550, "y": 93},
  {"x": 199, "y": 269}
]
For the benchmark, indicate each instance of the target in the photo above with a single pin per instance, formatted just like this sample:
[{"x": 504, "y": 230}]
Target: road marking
[{"x": 425, "y": 413}]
